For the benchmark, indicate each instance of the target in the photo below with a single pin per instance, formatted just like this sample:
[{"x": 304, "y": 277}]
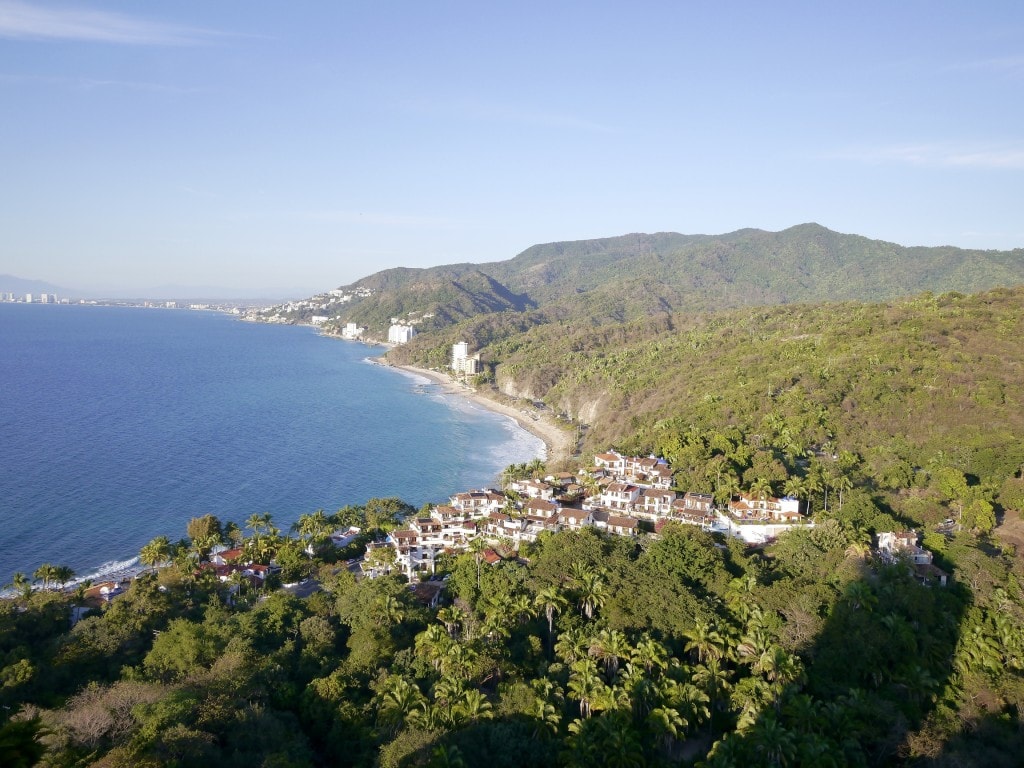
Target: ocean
[{"x": 120, "y": 424}]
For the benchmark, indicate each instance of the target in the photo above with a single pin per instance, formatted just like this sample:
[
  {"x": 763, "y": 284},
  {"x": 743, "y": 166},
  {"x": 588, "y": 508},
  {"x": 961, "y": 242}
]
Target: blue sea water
[{"x": 120, "y": 424}]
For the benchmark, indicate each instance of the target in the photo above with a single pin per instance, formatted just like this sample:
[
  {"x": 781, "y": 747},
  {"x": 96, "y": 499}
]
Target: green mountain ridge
[{"x": 635, "y": 275}]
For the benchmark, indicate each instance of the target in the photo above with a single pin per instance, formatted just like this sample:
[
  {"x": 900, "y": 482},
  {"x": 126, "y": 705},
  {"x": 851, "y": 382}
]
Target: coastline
[{"x": 558, "y": 442}]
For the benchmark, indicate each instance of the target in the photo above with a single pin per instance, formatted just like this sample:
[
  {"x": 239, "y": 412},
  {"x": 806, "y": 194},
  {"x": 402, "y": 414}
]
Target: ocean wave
[{"x": 113, "y": 570}]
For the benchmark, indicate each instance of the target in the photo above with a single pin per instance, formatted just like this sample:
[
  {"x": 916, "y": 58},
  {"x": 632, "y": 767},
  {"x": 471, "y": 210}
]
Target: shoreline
[{"x": 558, "y": 442}]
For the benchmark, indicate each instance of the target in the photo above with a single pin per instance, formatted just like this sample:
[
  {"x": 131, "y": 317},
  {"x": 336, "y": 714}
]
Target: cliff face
[{"x": 583, "y": 407}]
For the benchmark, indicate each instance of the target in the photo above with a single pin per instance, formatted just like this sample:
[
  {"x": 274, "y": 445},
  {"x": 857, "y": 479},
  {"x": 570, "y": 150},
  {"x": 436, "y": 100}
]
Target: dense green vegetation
[
  {"x": 908, "y": 391},
  {"x": 588, "y": 650}
]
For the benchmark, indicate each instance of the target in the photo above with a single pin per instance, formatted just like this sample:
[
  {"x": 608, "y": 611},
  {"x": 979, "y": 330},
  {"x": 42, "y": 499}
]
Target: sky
[{"x": 284, "y": 149}]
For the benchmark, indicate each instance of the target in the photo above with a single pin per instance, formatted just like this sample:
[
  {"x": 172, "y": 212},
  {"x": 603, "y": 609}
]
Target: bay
[{"x": 120, "y": 424}]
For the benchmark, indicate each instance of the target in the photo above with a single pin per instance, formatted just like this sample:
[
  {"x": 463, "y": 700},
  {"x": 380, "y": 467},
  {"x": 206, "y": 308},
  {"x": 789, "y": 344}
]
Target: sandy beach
[{"x": 558, "y": 440}]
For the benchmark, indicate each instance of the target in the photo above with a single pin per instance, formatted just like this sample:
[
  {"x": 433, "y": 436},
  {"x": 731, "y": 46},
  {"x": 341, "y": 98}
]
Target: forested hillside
[
  {"x": 900, "y": 383},
  {"x": 631, "y": 276}
]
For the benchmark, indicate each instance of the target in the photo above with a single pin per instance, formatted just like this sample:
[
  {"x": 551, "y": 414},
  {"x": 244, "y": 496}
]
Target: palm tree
[
  {"x": 608, "y": 647},
  {"x": 586, "y": 686},
  {"x": 705, "y": 640},
  {"x": 62, "y": 574},
  {"x": 155, "y": 552},
  {"x": 794, "y": 487},
  {"x": 313, "y": 528},
  {"x": 519, "y": 608},
  {"x": 779, "y": 667},
  {"x": 550, "y": 601},
  {"x": 761, "y": 488},
  {"x": 812, "y": 484},
  {"x": 80, "y": 589},
  {"x": 715, "y": 681},
  {"x": 472, "y": 705},
  {"x": 772, "y": 742},
  {"x": 45, "y": 573},
  {"x": 573, "y": 645},
  {"x": 477, "y": 547},
  {"x": 21, "y": 584},
  {"x": 546, "y": 714},
  {"x": 666, "y": 723},
  {"x": 254, "y": 523},
  {"x": 399, "y": 700},
  {"x": 859, "y": 595},
  {"x": 446, "y": 756},
  {"x": 389, "y": 610},
  {"x": 432, "y": 644},
  {"x": 450, "y": 616},
  {"x": 842, "y": 484},
  {"x": 458, "y": 661},
  {"x": 592, "y": 592},
  {"x": 650, "y": 654}
]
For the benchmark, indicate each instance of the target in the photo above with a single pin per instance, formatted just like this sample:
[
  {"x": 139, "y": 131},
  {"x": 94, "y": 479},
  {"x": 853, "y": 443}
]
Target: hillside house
[
  {"x": 655, "y": 503},
  {"x": 620, "y": 496},
  {"x": 575, "y": 519},
  {"x": 611, "y": 461},
  {"x": 747, "y": 507},
  {"x": 478, "y": 503}
]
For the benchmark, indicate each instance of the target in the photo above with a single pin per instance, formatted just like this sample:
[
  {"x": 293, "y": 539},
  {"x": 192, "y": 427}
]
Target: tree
[
  {"x": 399, "y": 699},
  {"x": 586, "y": 686},
  {"x": 45, "y": 573},
  {"x": 592, "y": 591},
  {"x": 472, "y": 705},
  {"x": 21, "y": 742},
  {"x": 842, "y": 484},
  {"x": 609, "y": 646},
  {"x": 705, "y": 641},
  {"x": 313, "y": 528},
  {"x": 761, "y": 488},
  {"x": 21, "y": 584},
  {"x": 155, "y": 552},
  {"x": 62, "y": 574},
  {"x": 550, "y": 601},
  {"x": 257, "y": 523}
]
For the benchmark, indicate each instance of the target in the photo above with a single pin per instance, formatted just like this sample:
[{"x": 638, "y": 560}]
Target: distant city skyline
[{"x": 276, "y": 150}]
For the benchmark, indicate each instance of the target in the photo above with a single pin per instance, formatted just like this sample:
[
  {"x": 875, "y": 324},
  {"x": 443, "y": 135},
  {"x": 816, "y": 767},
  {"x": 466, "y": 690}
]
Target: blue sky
[{"x": 288, "y": 148}]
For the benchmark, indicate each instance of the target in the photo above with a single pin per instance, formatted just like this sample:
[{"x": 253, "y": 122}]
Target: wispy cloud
[
  {"x": 87, "y": 84},
  {"x": 940, "y": 155},
  {"x": 26, "y": 21}
]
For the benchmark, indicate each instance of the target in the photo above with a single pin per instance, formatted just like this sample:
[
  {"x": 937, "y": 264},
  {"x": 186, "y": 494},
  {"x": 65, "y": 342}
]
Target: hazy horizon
[{"x": 200, "y": 144}]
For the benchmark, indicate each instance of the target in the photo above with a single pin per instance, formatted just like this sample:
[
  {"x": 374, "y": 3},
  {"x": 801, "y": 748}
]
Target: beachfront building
[
  {"x": 352, "y": 331},
  {"x": 464, "y": 364},
  {"x": 400, "y": 333}
]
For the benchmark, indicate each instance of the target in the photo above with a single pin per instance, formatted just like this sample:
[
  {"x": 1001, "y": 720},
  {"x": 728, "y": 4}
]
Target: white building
[
  {"x": 400, "y": 334},
  {"x": 352, "y": 331},
  {"x": 462, "y": 362}
]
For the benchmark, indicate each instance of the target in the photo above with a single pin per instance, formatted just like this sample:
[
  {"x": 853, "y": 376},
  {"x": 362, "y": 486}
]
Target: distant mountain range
[
  {"x": 19, "y": 286},
  {"x": 636, "y": 275}
]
